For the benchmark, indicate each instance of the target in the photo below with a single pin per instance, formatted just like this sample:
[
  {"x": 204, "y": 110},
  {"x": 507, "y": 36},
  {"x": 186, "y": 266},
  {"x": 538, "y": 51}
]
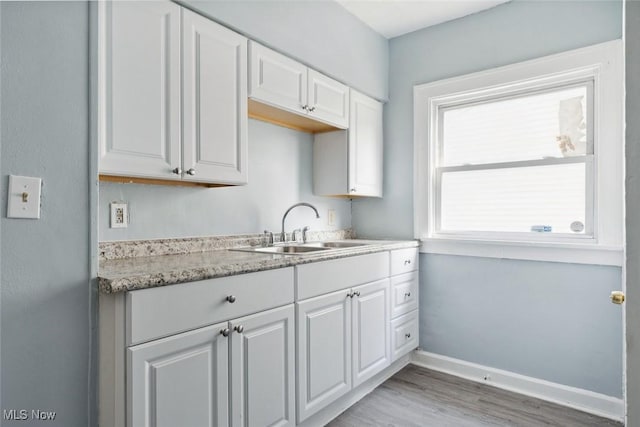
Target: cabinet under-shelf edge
[
  {"x": 287, "y": 119},
  {"x": 156, "y": 181}
]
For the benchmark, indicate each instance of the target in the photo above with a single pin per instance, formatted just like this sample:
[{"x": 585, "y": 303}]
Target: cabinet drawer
[
  {"x": 329, "y": 276},
  {"x": 404, "y": 293},
  {"x": 404, "y": 261},
  {"x": 404, "y": 335},
  {"x": 158, "y": 312}
]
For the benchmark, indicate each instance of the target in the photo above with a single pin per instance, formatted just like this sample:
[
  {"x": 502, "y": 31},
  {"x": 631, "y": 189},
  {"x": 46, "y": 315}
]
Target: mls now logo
[{"x": 23, "y": 415}]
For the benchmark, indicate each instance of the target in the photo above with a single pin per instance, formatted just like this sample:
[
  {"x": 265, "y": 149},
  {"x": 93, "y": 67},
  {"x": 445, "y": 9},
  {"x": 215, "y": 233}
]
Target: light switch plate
[{"x": 24, "y": 197}]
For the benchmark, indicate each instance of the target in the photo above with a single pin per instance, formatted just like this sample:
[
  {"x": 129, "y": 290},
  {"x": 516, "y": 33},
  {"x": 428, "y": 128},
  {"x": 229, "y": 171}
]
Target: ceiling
[{"x": 393, "y": 18}]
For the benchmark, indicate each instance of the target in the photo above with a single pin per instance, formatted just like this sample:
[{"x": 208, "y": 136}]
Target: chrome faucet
[{"x": 283, "y": 236}]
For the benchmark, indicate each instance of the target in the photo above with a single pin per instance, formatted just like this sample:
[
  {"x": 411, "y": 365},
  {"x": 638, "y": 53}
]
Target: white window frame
[{"x": 601, "y": 64}]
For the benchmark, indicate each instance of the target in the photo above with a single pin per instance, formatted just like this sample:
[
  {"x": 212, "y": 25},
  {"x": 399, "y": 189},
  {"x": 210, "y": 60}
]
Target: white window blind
[{"x": 517, "y": 164}]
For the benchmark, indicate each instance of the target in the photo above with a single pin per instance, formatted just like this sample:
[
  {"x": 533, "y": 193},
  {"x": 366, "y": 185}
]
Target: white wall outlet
[
  {"x": 119, "y": 215},
  {"x": 331, "y": 217},
  {"x": 24, "y": 197}
]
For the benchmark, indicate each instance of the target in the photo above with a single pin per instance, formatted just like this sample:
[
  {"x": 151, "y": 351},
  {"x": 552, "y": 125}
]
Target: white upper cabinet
[
  {"x": 281, "y": 82},
  {"x": 327, "y": 100},
  {"x": 365, "y": 146},
  {"x": 349, "y": 163},
  {"x": 139, "y": 89},
  {"x": 215, "y": 101},
  {"x": 277, "y": 80},
  {"x": 172, "y": 95}
]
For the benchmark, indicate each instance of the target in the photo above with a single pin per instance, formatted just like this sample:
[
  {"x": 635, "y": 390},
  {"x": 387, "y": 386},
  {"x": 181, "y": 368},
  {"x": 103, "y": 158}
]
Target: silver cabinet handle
[
  {"x": 350, "y": 294},
  {"x": 177, "y": 171},
  {"x": 191, "y": 172},
  {"x": 305, "y": 107},
  {"x": 353, "y": 190},
  {"x": 225, "y": 332},
  {"x": 407, "y": 294},
  {"x": 231, "y": 299},
  {"x": 239, "y": 329},
  {"x": 407, "y": 261},
  {"x": 357, "y": 293},
  {"x": 311, "y": 110},
  {"x": 407, "y": 336}
]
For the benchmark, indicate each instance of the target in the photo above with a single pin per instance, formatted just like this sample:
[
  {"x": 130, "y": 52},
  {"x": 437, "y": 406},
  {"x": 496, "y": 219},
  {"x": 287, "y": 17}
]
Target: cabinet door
[
  {"x": 139, "y": 89},
  {"x": 277, "y": 80},
  {"x": 263, "y": 369},
  {"x": 215, "y": 102},
  {"x": 328, "y": 100},
  {"x": 365, "y": 146},
  {"x": 323, "y": 351},
  {"x": 181, "y": 380},
  {"x": 370, "y": 330}
]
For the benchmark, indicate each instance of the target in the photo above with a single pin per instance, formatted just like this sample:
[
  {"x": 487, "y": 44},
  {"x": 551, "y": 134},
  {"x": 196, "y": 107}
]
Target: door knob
[
  {"x": 191, "y": 172},
  {"x": 239, "y": 329},
  {"x": 617, "y": 297}
]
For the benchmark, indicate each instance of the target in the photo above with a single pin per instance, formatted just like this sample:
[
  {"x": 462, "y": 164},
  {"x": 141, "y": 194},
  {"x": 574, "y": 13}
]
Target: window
[{"x": 524, "y": 161}]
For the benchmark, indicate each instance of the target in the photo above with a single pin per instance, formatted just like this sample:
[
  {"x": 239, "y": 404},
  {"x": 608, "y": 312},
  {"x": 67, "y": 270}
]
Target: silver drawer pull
[
  {"x": 239, "y": 329},
  {"x": 357, "y": 293},
  {"x": 407, "y": 261},
  {"x": 407, "y": 295},
  {"x": 225, "y": 332},
  {"x": 231, "y": 299},
  {"x": 407, "y": 336}
]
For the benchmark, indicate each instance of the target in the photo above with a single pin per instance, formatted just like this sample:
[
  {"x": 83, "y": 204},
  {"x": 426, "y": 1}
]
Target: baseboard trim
[{"x": 583, "y": 400}]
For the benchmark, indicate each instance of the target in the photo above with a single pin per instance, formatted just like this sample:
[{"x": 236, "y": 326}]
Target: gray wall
[
  {"x": 632, "y": 35},
  {"x": 45, "y": 263},
  {"x": 279, "y": 175},
  {"x": 509, "y": 33},
  {"x": 320, "y": 34}
]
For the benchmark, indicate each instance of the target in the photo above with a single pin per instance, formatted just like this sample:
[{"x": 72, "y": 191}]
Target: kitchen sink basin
[
  {"x": 333, "y": 245},
  {"x": 285, "y": 249}
]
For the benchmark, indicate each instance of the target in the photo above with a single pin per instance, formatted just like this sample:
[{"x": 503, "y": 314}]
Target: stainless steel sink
[
  {"x": 334, "y": 245},
  {"x": 285, "y": 249}
]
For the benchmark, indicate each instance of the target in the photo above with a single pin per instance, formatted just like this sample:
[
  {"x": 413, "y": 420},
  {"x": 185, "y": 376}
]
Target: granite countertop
[{"x": 121, "y": 275}]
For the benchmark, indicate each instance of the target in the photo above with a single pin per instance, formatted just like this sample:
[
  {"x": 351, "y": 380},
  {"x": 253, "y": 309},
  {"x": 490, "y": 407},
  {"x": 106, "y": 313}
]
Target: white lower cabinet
[
  {"x": 263, "y": 369},
  {"x": 404, "y": 302},
  {"x": 271, "y": 348},
  {"x": 193, "y": 378},
  {"x": 370, "y": 326},
  {"x": 324, "y": 351},
  {"x": 342, "y": 340},
  {"x": 181, "y": 380}
]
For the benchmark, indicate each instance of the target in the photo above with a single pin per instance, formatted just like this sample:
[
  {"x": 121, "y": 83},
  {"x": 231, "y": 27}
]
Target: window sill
[{"x": 573, "y": 253}]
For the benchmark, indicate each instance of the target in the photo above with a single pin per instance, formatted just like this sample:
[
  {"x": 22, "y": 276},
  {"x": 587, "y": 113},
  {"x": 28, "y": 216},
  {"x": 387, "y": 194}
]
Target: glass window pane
[
  {"x": 551, "y": 124},
  {"x": 515, "y": 199}
]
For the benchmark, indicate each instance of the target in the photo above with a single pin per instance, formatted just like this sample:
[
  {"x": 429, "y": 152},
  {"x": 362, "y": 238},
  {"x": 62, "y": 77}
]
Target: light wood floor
[{"x": 419, "y": 397}]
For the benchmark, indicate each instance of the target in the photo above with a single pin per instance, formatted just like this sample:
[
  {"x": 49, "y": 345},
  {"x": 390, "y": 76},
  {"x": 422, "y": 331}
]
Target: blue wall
[
  {"x": 489, "y": 311},
  {"x": 321, "y": 34},
  {"x": 45, "y": 289}
]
